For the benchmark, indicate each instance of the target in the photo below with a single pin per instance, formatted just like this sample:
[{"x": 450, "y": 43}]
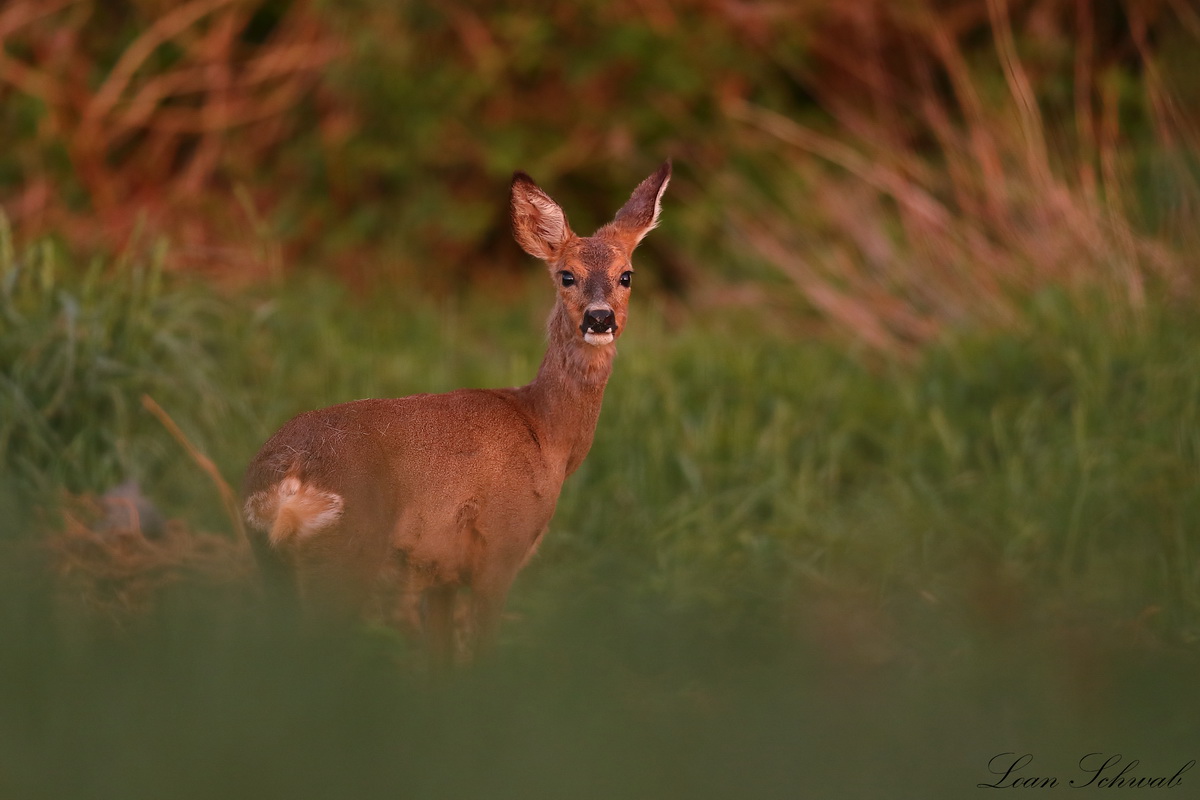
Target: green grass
[
  {"x": 1061, "y": 457},
  {"x": 79, "y": 345},
  {"x": 783, "y": 570}
]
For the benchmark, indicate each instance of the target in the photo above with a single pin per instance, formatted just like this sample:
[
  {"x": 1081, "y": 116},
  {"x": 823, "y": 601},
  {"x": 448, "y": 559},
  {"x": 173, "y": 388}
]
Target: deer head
[{"x": 593, "y": 273}]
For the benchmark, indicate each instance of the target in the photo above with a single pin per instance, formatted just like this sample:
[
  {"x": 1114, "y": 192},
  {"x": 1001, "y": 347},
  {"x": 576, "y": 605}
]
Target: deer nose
[{"x": 599, "y": 320}]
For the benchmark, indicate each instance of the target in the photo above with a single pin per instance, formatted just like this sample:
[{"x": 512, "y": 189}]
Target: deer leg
[
  {"x": 336, "y": 570},
  {"x": 278, "y": 571},
  {"x": 488, "y": 594},
  {"x": 439, "y": 624},
  {"x": 331, "y": 590},
  {"x": 406, "y": 590}
]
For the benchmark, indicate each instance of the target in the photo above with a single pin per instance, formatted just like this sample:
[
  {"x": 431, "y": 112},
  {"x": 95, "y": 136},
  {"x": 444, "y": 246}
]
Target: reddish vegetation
[
  {"x": 120, "y": 573},
  {"x": 165, "y": 112},
  {"x": 156, "y": 143}
]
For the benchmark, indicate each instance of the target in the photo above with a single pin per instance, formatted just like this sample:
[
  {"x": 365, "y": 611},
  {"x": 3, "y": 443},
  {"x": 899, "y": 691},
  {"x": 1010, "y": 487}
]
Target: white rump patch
[
  {"x": 598, "y": 339},
  {"x": 308, "y": 509}
]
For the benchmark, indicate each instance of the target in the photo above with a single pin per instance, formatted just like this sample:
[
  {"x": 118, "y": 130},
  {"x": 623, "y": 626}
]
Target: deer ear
[
  {"x": 539, "y": 225},
  {"x": 639, "y": 216}
]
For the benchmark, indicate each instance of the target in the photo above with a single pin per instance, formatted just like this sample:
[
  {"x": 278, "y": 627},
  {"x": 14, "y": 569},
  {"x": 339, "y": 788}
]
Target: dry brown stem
[{"x": 119, "y": 574}]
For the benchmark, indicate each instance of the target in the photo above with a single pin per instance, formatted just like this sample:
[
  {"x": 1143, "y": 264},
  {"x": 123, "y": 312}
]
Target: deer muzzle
[{"x": 599, "y": 326}]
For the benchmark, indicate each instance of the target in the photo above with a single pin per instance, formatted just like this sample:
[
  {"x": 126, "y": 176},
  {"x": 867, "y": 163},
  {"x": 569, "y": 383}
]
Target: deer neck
[{"x": 566, "y": 395}]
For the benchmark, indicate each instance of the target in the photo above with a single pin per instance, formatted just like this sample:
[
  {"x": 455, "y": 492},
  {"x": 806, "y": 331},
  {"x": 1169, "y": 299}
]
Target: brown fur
[{"x": 451, "y": 490}]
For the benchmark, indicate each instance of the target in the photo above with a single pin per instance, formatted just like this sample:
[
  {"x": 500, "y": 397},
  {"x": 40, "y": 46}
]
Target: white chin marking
[{"x": 598, "y": 339}]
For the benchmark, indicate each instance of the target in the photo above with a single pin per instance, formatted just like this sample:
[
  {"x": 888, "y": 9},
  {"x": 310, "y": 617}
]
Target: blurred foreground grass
[
  {"x": 784, "y": 569},
  {"x": 216, "y": 698}
]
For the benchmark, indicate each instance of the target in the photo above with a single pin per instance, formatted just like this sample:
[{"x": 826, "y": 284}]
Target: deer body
[{"x": 455, "y": 490}]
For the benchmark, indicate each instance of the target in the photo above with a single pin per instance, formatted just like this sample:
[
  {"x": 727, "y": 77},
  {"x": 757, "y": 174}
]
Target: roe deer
[{"x": 455, "y": 490}]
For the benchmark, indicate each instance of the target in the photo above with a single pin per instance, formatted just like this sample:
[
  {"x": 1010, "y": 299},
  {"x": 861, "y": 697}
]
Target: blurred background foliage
[{"x": 845, "y": 160}]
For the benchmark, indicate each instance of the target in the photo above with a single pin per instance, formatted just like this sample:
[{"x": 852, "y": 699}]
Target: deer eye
[
  {"x": 567, "y": 278},
  {"x": 626, "y": 278}
]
